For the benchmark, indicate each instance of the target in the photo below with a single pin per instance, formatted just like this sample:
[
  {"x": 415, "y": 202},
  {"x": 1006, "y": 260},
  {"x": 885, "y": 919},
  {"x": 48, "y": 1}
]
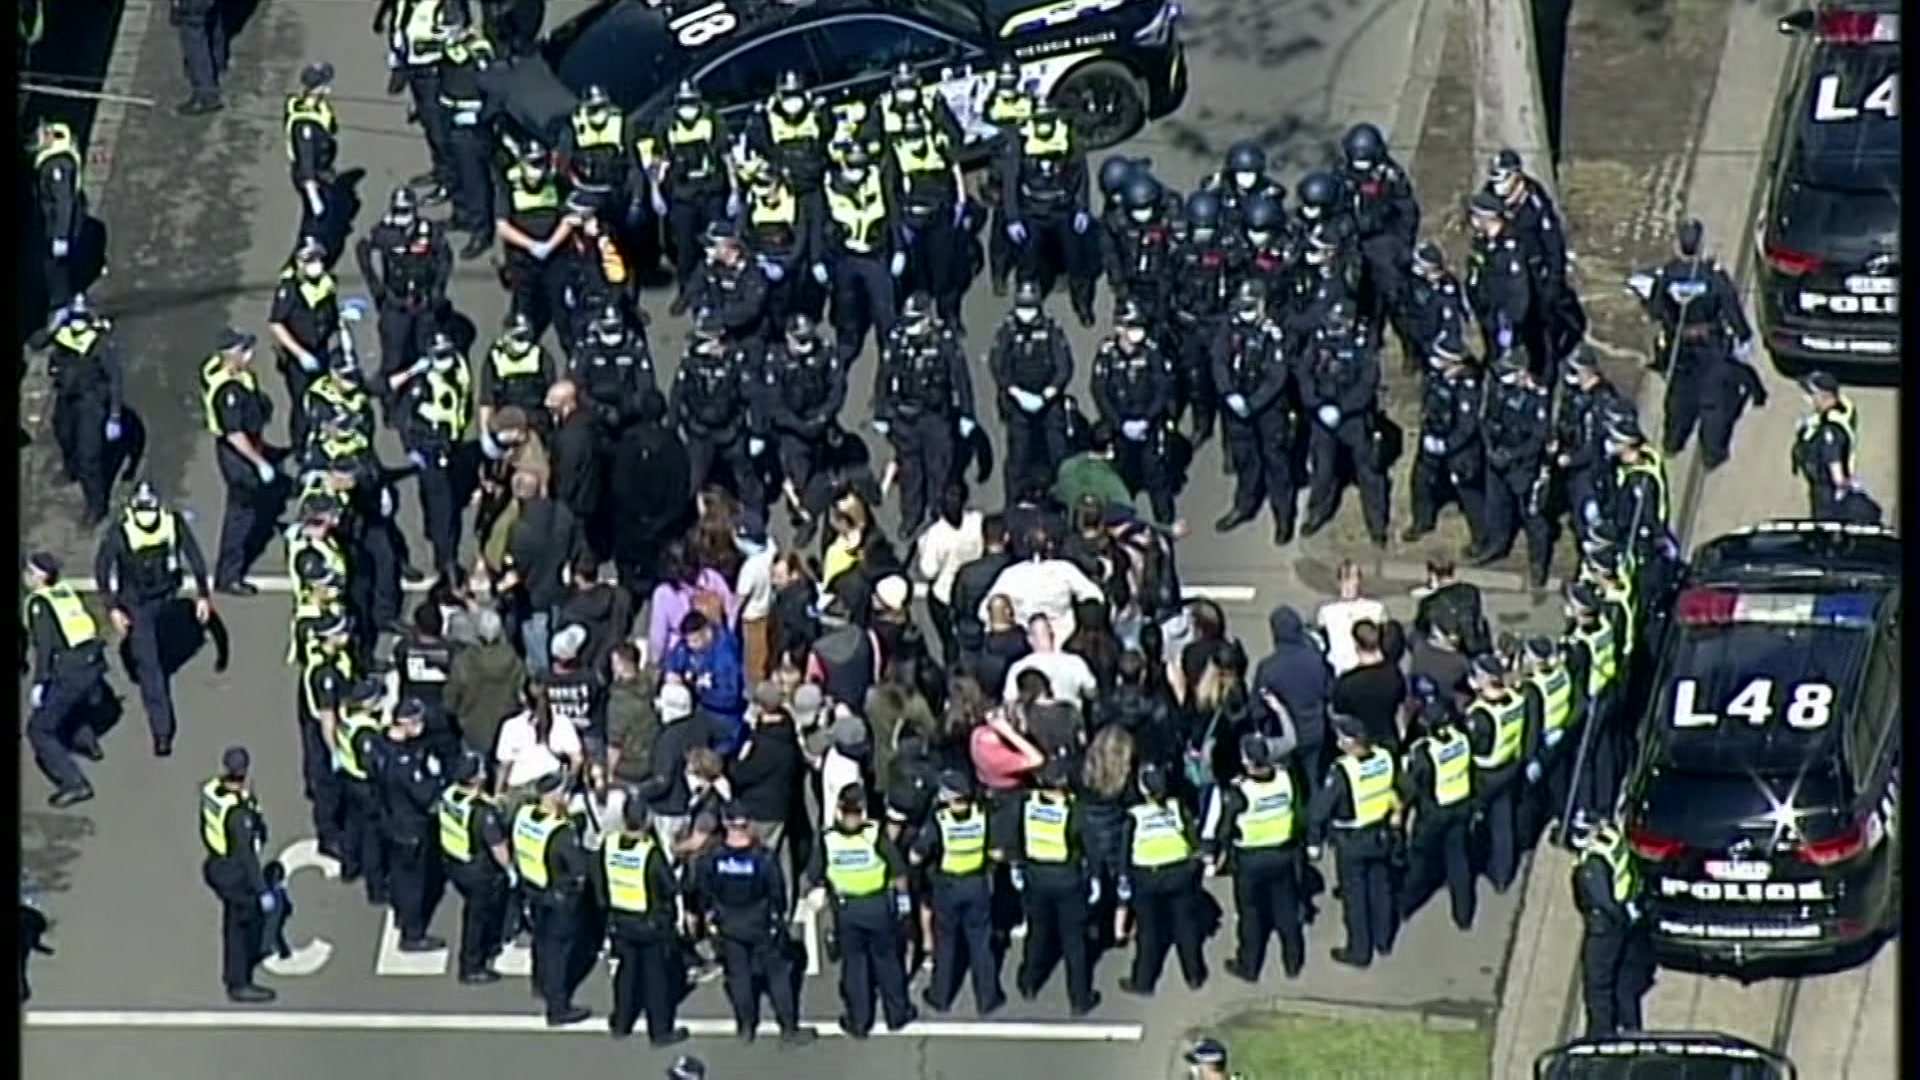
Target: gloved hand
[
  {"x": 417, "y": 459},
  {"x": 1313, "y": 852},
  {"x": 881, "y": 427},
  {"x": 543, "y": 250},
  {"x": 820, "y": 273},
  {"x": 636, "y": 213},
  {"x": 1026, "y": 399},
  {"x": 1503, "y": 337},
  {"x": 1134, "y": 429},
  {"x": 37, "y": 694},
  {"x": 268, "y": 901},
  {"x": 903, "y": 904},
  {"x": 1081, "y": 221},
  {"x": 1017, "y": 232},
  {"x": 316, "y": 204},
  {"x": 960, "y": 214},
  {"x": 265, "y": 472},
  {"x": 309, "y": 363},
  {"x": 967, "y": 427},
  {"x": 1741, "y": 352},
  {"x": 60, "y": 247},
  {"x": 733, "y": 204},
  {"x": 658, "y": 201},
  {"x": 1123, "y": 891},
  {"x": 1554, "y": 737},
  {"x": 774, "y": 271},
  {"x": 113, "y": 429},
  {"x": 1533, "y": 772},
  {"x": 1093, "y": 890},
  {"x": 756, "y": 446},
  {"x": 1238, "y": 403},
  {"x": 1019, "y": 876},
  {"x": 898, "y": 264},
  {"x": 1432, "y": 444},
  {"x": 1328, "y": 415}
]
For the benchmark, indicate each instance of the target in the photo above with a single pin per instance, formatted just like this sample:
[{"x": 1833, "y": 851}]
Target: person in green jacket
[{"x": 1092, "y": 472}]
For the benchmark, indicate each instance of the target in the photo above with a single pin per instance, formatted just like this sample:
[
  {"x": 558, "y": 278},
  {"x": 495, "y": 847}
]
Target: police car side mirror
[
  {"x": 1640, "y": 285},
  {"x": 1797, "y": 23}
]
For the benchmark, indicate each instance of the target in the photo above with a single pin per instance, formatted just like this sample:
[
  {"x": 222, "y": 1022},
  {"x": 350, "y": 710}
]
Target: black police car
[
  {"x": 1665, "y": 1055},
  {"x": 1109, "y": 65},
  {"x": 1830, "y": 237},
  {"x": 1762, "y": 808}
]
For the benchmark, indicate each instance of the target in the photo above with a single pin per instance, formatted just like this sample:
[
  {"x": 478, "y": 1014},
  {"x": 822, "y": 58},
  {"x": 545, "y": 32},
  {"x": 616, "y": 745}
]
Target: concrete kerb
[
  {"x": 1410, "y": 117},
  {"x": 110, "y": 116}
]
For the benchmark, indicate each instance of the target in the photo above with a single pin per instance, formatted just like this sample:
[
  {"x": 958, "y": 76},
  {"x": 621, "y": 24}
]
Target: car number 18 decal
[{"x": 701, "y": 25}]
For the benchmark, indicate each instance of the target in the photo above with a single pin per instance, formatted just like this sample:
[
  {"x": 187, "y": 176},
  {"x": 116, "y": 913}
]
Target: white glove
[
  {"x": 1017, "y": 232},
  {"x": 820, "y": 273},
  {"x": 1504, "y": 337},
  {"x": 1134, "y": 429},
  {"x": 1741, "y": 352},
  {"x": 1026, "y": 399},
  {"x": 543, "y": 249},
  {"x": 1238, "y": 403},
  {"x": 60, "y": 247},
  {"x": 316, "y": 204},
  {"x": 1081, "y": 221},
  {"x": 417, "y": 459},
  {"x": 733, "y": 204},
  {"x": 755, "y": 446},
  {"x": 903, "y": 904},
  {"x": 265, "y": 472},
  {"x": 1533, "y": 772},
  {"x": 1019, "y": 877},
  {"x": 37, "y": 694},
  {"x": 1313, "y": 852},
  {"x": 773, "y": 270},
  {"x": 967, "y": 427},
  {"x": 1093, "y": 890},
  {"x": 881, "y": 427},
  {"x": 1432, "y": 444},
  {"x": 1329, "y": 415},
  {"x": 113, "y": 429},
  {"x": 309, "y": 363},
  {"x": 1554, "y": 737},
  {"x": 267, "y": 902},
  {"x": 898, "y": 264}
]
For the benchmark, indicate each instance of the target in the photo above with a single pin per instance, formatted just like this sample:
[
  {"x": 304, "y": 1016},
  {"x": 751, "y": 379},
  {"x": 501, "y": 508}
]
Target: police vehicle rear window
[
  {"x": 1849, "y": 130},
  {"x": 627, "y": 49}
]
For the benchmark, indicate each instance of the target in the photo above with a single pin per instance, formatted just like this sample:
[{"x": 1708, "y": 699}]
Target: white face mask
[
  {"x": 610, "y": 337},
  {"x": 1247, "y": 312},
  {"x": 443, "y": 363},
  {"x": 1203, "y": 233},
  {"x": 793, "y": 104},
  {"x": 1511, "y": 378},
  {"x": 688, "y": 112},
  {"x": 854, "y": 174},
  {"x": 402, "y": 218},
  {"x": 1026, "y": 314},
  {"x": 1259, "y": 239},
  {"x": 1134, "y": 336},
  {"x": 1311, "y": 213},
  {"x": 1362, "y": 165},
  {"x": 908, "y": 96},
  {"x": 1245, "y": 179},
  {"x": 1141, "y": 216}
]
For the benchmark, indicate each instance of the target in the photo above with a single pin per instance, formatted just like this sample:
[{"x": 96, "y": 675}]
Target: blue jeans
[{"x": 534, "y": 634}]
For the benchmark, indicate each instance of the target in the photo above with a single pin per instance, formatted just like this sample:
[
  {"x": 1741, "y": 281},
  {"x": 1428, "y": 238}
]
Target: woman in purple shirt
[{"x": 680, "y": 581}]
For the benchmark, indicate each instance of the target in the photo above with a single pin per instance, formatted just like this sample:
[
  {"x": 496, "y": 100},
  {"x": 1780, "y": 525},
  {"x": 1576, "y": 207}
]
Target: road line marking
[
  {"x": 1007, "y": 1031},
  {"x": 281, "y": 584}
]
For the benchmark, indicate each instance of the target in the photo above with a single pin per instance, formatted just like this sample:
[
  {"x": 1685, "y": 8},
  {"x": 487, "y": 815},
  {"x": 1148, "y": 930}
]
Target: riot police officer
[
  {"x": 1385, "y": 214},
  {"x": 529, "y": 217},
  {"x": 1499, "y": 287},
  {"x": 1050, "y": 872},
  {"x": 804, "y": 388},
  {"x": 614, "y": 366},
  {"x": 1139, "y": 250},
  {"x": 1360, "y": 807},
  {"x": 775, "y": 222},
  {"x": 1252, "y": 373},
  {"x": 1450, "y": 459},
  {"x": 1515, "y": 429},
  {"x": 1008, "y": 106},
  {"x": 553, "y": 872},
  {"x": 409, "y": 786},
  {"x": 233, "y": 832},
  {"x": 1616, "y": 953},
  {"x": 473, "y": 847},
  {"x": 1243, "y": 179},
  {"x": 712, "y": 394},
  {"x": 928, "y": 186},
  {"x": 1825, "y": 446},
  {"x": 410, "y": 286},
  {"x": 303, "y": 322},
  {"x": 516, "y": 374},
  {"x": 69, "y": 679},
  {"x": 729, "y": 286},
  {"x": 857, "y": 251},
  {"x": 1430, "y": 305},
  {"x": 435, "y": 393},
  {"x": 636, "y": 886},
  {"x": 1132, "y": 385},
  {"x": 1578, "y": 449},
  {"x": 1253, "y": 830},
  {"x": 1204, "y": 268},
  {"x": 1437, "y": 781},
  {"x": 686, "y": 157},
  {"x": 595, "y": 150},
  {"x": 923, "y": 399},
  {"x": 1322, "y": 198},
  {"x": 1339, "y": 385},
  {"x": 237, "y": 413},
  {"x": 1704, "y": 338},
  {"x": 138, "y": 565},
  {"x": 863, "y": 869},
  {"x": 312, "y": 146},
  {"x": 1032, "y": 365},
  {"x": 1271, "y": 256},
  {"x": 469, "y": 147},
  {"x": 1497, "y": 727},
  {"x": 87, "y": 384},
  {"x": 1044, "y": 181}
]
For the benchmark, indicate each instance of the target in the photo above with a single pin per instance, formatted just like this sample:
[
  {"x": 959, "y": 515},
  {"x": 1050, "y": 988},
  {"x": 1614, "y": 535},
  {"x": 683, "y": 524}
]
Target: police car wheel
[{"x": 1104, "y": 102}]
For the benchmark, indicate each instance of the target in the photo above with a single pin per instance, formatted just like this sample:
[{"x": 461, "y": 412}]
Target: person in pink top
[
  {"x": 1002, "y": 755},
  {"x": 680, "y": 582}
]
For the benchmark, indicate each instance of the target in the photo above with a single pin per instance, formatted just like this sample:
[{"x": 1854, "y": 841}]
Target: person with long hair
[
  {"x": 1093, "y": 641},
  {"x": 682, "y": 579},
  {"x": 1105, "y": 792},
  {"x": 710, "y": 544}
]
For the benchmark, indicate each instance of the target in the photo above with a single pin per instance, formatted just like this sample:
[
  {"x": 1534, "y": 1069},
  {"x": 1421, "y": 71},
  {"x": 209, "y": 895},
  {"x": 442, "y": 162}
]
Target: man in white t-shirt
[
  {"x": 1337, "y": 618},
  {"x": 1043, "y": 585},
  {"x": 1068, "y": 676},
  {"x": 754, "y": 587}
]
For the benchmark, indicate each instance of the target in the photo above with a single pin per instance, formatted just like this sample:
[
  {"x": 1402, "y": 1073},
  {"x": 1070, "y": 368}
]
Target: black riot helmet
[
  {"x": 1249, "y": 300},
  {"x": 1142, "y": 196},
  {"x": 1364, "y": 147},
  {"x": 609, "y": 324},
  {"x": 1264, "y": 215},
  {"x": 917, "y": 313},
  {"x": 1246, "y": 156},
  {"x": 801, "y": 338},
  {"x": 1115, "y": 173},
  {"x": 1203, "y": 211},
  {"x": 1318, "y": 192}
]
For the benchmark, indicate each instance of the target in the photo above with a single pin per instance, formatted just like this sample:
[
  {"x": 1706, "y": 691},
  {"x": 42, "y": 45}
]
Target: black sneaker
[
  {"x": 240, "y": 588},
  {"x": 92, "y": 751},
  {"x": 927, "y": 996},
  {"x": 482, "y": 241},
  {"x": 66, "y": 797},
  {"x": 672, "y": 1038},
  {"x": 163, "y": 748},
  {"x": 1128, "y": 986},
  {"x": 1342, "y": 955},
  {"x": 424, "y": 943},
  {"x": 481, "y": 977},
  {"x": 572, "y": 1014},
  {"x": 913, "y": 1014},
  {"x": 250, "y": 995},
  {"x": 846, "y": 1027},
  {"x": 1239, "y": 971},
  {"x": 1232, "y": 520},
  {"x": 800, "y": 1036},
  {"x": 1093, "y": 1002}
]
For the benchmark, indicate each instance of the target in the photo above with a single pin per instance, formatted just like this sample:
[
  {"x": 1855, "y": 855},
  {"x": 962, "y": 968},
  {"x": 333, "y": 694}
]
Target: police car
[
  {"x": 1688, "y": 1055},
  {"x": 1762, "y": 808},
  {"x": 1830, "y": 235},
  {"x": 1109, "y": 65}
]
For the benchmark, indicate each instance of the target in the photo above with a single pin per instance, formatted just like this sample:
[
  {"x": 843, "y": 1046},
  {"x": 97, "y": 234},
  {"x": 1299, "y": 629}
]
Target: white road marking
[
  {"x": 281, "y": 584},
  {"x": 394, "y": 962},
  {"x": 507, "y": 1023},
  {"x": 312, "y": 956}
]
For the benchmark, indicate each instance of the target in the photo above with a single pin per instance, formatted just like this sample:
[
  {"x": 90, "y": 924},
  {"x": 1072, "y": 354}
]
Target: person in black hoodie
[
  {"x": 768, "y": 769},
  {"x": 574, "y": 460},
  {"x": 1133, "y": 706},
  {"x": 1296, "y": 672},
  {"x": 682, "y": 728},
  {"x": 649, "y": 494},
  {"x": 604, "y": 611},
  {"x": 543, "y": 541},
  {"x": 974, "y": 580}
]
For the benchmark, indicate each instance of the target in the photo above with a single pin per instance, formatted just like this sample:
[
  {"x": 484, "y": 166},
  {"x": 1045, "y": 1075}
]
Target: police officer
[
  {"x": 1032, "y": 364},
  {"x": 1497, "y": 727},
  {"x": 928, "y": 186},
  {"x": 1359, "y": 804},
  {"x": 1339, "y": 384},
  {"x": 1322, "y": 199},
  {"x": 516, "y": 374},
  {"x": 802, "y": 391},
  {"x": 343, "y": 462},
  {"x": 203, "y": 46},
  {"x": 553, "y": 873},
  {"x": 614, "y": 365},
  {"x": 1437, "y": 781},
  {"x": 138, "y": 565},
  {"x": 338, "y": 395},
  {"x": 636, "y": 886},
  {"x": 1243, "y": 179},
  {"x": 1160, "y": 885},
  {"x": 409, "y": 786},
  {"x": 1044, "y": 181},
  {"x": 1703, "y": 341},
  {"x": 422, "y": 662},
  {"x": 1578, "y": 449},
  {"x": 1515, "y": 429},
  {"x": 303, "y": 322},
  {"x": 469, "y": 149},
  {"x": 1327, "y": 274},
  {"x": 1825, "y": 447},
  {"x": 1451, "y": 458},
  {"x": 1616, "y": 953},
  {"x": 745, "y": 892},
  {"x": 595, "y": 150},
  {"x": 1116, "y": 172},
  {"x": 1251, "y": 372},
  {"x": 774, "y": 224},
  {"x": 87, "y": 384},
  {"x": 1640, "y": 502},
  {"x": 530, "y": 218},
  {"x": 1133, "y": 388},
  {"x": 1008, "y": 107},
  {"x": 858, "y": 252},
  {"x": 409, "y": 282},
  {"x": 312, "y": 146},
  {"x": 955, "y": 852},
  {"x": 1554, "y": 704},
  {"x": 62, "y": 204},
  {"x": 1252, "y": 829},
  {"x": 729, "y": 285},
  {"x": 473, "y": 847},
  {"x": 1559, "y": 324},
  {"x": 1430, "y": 306},
  {"x": 1272, "y": 260},
  {"x": 416, "y": 50},
  {"x": 923, "y": 396},
  {"x": 686, "y": 156},
  {"x": 1138, "y": 250},
  {"x": 863, "y": 869},
  {"x": 1385, "y": 214},
  {"x": 69, "y": 672},
  {"x": 790, "y": 134},
  {"x": 321, "y": 645},
  {"x": 1050, "y": 872},
  {"x": 1204, "y": 267},
  {"x": 237, "y": 413},
  {"x": 436, "y": 392},
  {"x": 908, "y": 97},
  {"x": 712, "y": 394},
  {"x": 354, "y": 733},
  {"x": 233, "y": 832},
  {"x": 1499, "y": 287}
]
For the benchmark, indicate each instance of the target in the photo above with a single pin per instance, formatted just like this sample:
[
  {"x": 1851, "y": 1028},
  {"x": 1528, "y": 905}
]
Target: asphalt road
[{"x": 201, "y": 216}]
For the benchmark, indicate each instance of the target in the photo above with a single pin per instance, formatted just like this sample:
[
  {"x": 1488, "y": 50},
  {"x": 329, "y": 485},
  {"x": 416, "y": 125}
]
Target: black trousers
[
  {"x": 440, "y": 510},
  {"x": 1056, "y": 908},
  {"x": 80, "y": 428},
  {"x": 60, "y": 274},
  {"x": 1145, "y": 466},
  {"x": 963, "y": 943},
  {"x": 1266, "y": 899},
  {"x": 324, "y": 225},
  {"x": 247, "y": 521},
  {"x": 753, "y": 967},
  {"x": 556, "y": 922},
  {"x": 644, "y": 979},
  {"x": 203, "y": 48},
  {"x": 1616, "y": 971},
  {"x": 410, "y": 869},
  {"x": 298, "y": 381},
  {"x": 1436, "y": 480},
  {"x": 706, "y": 451},
  {"x": 1512, "y": 506},
  {"x": 424, "y": 82},
  {"x": 483, "y": 916},
  {"x": 937, "y": 264},
  {"x": 406, "y": 333},
  {"x": 62, "y": 696},
  {"x": 1701, "y": 393},
  {"x": 870, "y": 962},
  {"x": 923, "y": 446},
  {"x": 1496, "y": 808},
  {"x": 365, "y": 854},
  {"x": 1053, "y": 248},
  {"x": 472, "y": 190},
  {"x": 863, "y": 301},
  {"x": 539, "y": 293},
  {"x": 240, "y": 923},
  {"x": 1326, "y": 449},
  {"x": 1193, "y": 372},
  {"x": 1036, "y": 445},
  {"x": 143, "y": 647},
  {"x": 1166, "y": 910},
  {"x": 1260, "y": 448},
  {"x": 1367, "y": 888},
  {"x": 1439, "y": 850},
  {"x": 688, "y": 215}
]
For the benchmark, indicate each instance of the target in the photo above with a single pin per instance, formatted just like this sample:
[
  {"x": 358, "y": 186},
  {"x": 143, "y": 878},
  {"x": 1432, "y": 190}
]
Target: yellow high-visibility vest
[
  {"x": 1159, "y": 836},
  {"x": 588, "y": 135},
  {"x": 351, "y": 722},
  {"x": 1054, "y": 145},
  {"x": 854, "y": 866},
  {"x": 1451, "y": 755},
  {"x": 533, "y": 829},
  {"x": 1841, "y": 416},
  {"x": 777, "y": 207},
  {"x": 1556, "y": 696},
  {"x": 214, "y": 377},
  {"x": 59, "y": 144},
  {"x": 963, "y": 844},
  {"x": 313, "y": 293},
  {"x": 1603, "y": 657},
  {"x": 1268, "y": 821},
  {"x": 1043, "y": 823},
  {"x": 1610, "y": 849},
  {"x": 1008, "y": 110},
  {"x": 624, "y": 855},
  {"x": 781, "y": 130},
  {"x": 1370, "y": 783},
  {"x": 75, "y": 338},
  {"x": 457, "y": 805},
  {"x": 862, "y": 212},
  {"x": 140, "y": 539},
  {"x": 1509, "y": 718},
  {"x": 216, "y": 802},
  {"x": 302, "y": 109},
  {"x": 527, "y": 200},
  {"x": 1652, "y": 464},
  {"x": 76, "y": 625}
]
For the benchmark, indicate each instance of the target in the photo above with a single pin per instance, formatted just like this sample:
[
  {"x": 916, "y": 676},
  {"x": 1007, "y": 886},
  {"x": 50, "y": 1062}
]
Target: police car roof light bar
[
  {"x": 1856, "y": 27},
  {"x": 1723, "y": 607}
]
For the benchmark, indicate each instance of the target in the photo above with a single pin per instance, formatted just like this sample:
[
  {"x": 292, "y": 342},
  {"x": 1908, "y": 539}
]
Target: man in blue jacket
[
  {"x": 707, "y": 660},
  {"x": 1296, "y": 672}
]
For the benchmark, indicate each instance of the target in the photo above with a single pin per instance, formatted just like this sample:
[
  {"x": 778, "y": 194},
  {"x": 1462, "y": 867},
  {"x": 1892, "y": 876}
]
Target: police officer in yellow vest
[
  {"x": 1008, "y": 107},
  {"x": 138, "y": 565},
  {"x": 1253, "y": 829},
  {"x": 1497, "y": 728},
  {"x": 1594, "y": 650},
  {"x": 1044, "y": 182},
  {"x": 327, "y": 673},
  {"x": 416, "y": 48},
  {"x": 1641, "y": 500},
  {"x": 475, "y": 852},
  {"x": 637, "y": 888},
  {"x": 857, "y": 253},
  {"x": 1358, "y": 804},
  {"x": 233, "y": 832},
  {"x": 62, "y": 203},
  {"x": 1826, "y": 447},
  {"x": 436, "y": 399},
  {"x": 685, "y": 156},
  {"x": 929, "y": 188},
  {"x": 858, "y": 862},
  {"x": 530, "y": 218},
  {"x": 304, "y": 319},
  {"x": 790, "y": 133},
  {"x": 1616, "y": 953},
  {"x": 316, "y": 559},
  {"x": 340, "y": 392},
  {"x": 69, "y": 679},
  {"x": 517, "y": 372},
  {"x": 774, "y": 224},
  {"x": 469, "y": 135},
  {"x": 594, "y": 149},
  {"x": 1050, "y": 872},
  {"x": 954, "y": 850},
  {"x": 1160, "y": 887},
  {"x": 312, "y": 146},
  {"x": 87, "y": 383},
  {"x": 1554, "y": 703},
  {"x": 237, "y": 413},
  {"x": 553, "y": 871},
  {"x": 1436, "y": 780}
]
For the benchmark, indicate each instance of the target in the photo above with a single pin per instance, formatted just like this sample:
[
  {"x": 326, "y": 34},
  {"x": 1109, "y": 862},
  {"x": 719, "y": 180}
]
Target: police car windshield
[
  {"x": 624, "y": 48},
  {"x": 1746, "y": 698},
  {"x": 1849, "y": 133}
]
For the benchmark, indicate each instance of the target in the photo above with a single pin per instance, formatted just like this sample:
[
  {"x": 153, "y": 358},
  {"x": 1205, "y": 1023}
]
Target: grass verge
[{"x": 1268, "y": 1046}]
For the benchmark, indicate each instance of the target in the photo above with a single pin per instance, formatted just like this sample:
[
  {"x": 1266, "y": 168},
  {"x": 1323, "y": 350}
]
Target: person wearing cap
[
  {"x": 692, "y": 182},
  {"x": 1497, "y": 725},
  {"x": 774, "y": 222},
  {"x": 1430, "y": 304},
  {"x": 62, "y": 202},
  {"x": 468, "y": 54},
  {"x": 1133, "y": 387},
  {"x": 687, "y": 1067},
  {"x": 730, "y": 285},
  {"x": 1252, "y": 829},
  {"x": 313, "y": 144},
  {"x": 237, "y": 412},
  {"x": 1451, "y": 456},
  {"x": 1516, "y": 428},
  {"x": 1616, "y": 950},
  {"x": 956, "y": 851},
  {"x": 1250, "y": 372},
  {"x": 923, "y": 402},
  {"x": 85, "y": 365},
  {"x": 303, "y": 321},
  {"x": 859, "y": 863},
  {"x": 324, "y": 653},
  {"x": 1826, "y": 447},
  {"x": 203, "y": 46},
  {"x": 595, "y": 150},
  {"x": 408, "y": 781},
  {"x": 1499, "y": 288},
  {"x": 420, "y": 664},
  {"x": 474, "y": 849},
  {"x": 1360, "y": 807},
  {"x": 1437, "y": 781},
  {"x": 530, "y": 218},
  {"x": 1339, "y": 382},
  {"x": 233, "y": 832},
  {"x": 1537, "y": 224},
  {"x": 1207, "y": 1060},
  {"x": 516, "y": 374},
  {"x": 553, "y": 870},
  {"x": 634, "y": 883},
  {"x": 354, "y": 732},
  {"x": 69, "y": 678},
  {"x": 858, "y": 250},
  {"x": 407, "y": 264},
  {"x": 138, "y": 566},
  {"x": 712, "y": 396},
  {"x": 1032, "y": 366},
  {"x": 1048, "y": 858},
  {"x": 805, "y": 387},
  {"x": 1578, "y": 449},
  {"x": 611, "y": 365},
  {"x": 1554, "y": 704},
  {"x": 1159, "y": 887},
  {"x": 1701, "y": 347},
  {"x": 745, "y": 893},
  {"x": 1044, "y": 186},
  {"x": 316, "y": 562},
  {"x": 1596, "y": 652},
  {"x": 434, "y": 411},
  {"x": 339, "y": 393}
]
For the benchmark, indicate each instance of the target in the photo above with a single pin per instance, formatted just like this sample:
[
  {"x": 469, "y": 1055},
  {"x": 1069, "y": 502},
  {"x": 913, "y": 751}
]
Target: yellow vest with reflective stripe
[
  {"x": 473, "y": 47},
  {"x": 929, "y": 159},
  {"x": 302, "y": 109},
  {"x": 1509, "y": 729},
  {"x": 1370, "y": 785},
  {"x": 445, "y": 405},
  {"x": 1268, "y": 820},
  {"x": 139, "y": 539},
  {"x": 587, "y": 134},
  {"x": 624, "y": 855},
  {"x": 782, "y": 130},
  {"x": 862, "y": 213},
  {"x": 423, "y": 31},
  {"x": 76, "y": 625},
  {"x": 1603, "y": 657},
  {"x": 854, "y": 866},
  {"x": 679, "y": 134},
  {"x": 339, "y": 393},
  {"x": 509, "y": 364},
  {"x": 1841, "y": 416},
  {"x": 214, "y": 377},
  {"x": 216, "y": 802},
  {"x": 314, "y": 293},
  {"x": 1043, "y": 822},
  {"x": 1653, "y": 465},
  {"x": 340, "y": 660},
  {"x": 1621, "y": 594},
  {"x": 963, "y": 844},
  {"x": 457, "y": 805},
  {"x": 777, "y": 208},
  {"x": 525, "y": 200},
  {"x": 1008, "y": 110},
  {"x": 353, "y": 720},
  {"x": 1051, "y": 146},
  {"x": 1556, "y": 696},
  {"x": 75, "y": 338},
  {"x": 59, "y": 144},
  {"x": 533, "y": 829},
  {"x": 1452, "y": 772},
  {"x": 1159, "y": 836},
  {"x": 1610, "y": 849}
]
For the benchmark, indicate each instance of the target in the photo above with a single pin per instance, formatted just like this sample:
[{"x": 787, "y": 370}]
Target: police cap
[
  {"x": 955, "y": 786},
  {"x": 1346, "y": 727},
  {"x": 686, "y": 93},
  {"x": 144, "y": 497},
  {"x": 790, "y": 83},
  {"x": 45, "y": 563},
  {"x": 734, "y": 813},
  {"x": 1153, "y": 781},
  {"x": 1540, "y": 648},
  {"x": 1582, "y": 361},
  {"x": 1429, "y": 256},
  {"x": 1027, "y": 293},
  {"x": 332, "y": 624},
  {"x": 1625, "y": 429},
  {"x": 1485, "y": 204},
  {"x": 1503, "y": 164},
  {"x": 410, "y": 709},
  {"x": 1605, "y": 558},
  {"x": 315, "y": 76},
  {"x": 1447, "y": 348},
  {"x": 549, "y": 784},
  {"x": 1255, "y": 750},
  {"x": 235, "y": 761},
  {"x": 918, "y": 306},
  {"x": 595, "y": 97},
  {"x": 1131, "y": 315},
  {"x": 1206, "y": 1052},
  {"x": 465, "y": 767},
  {"x": 1820, "y": 382},
  {"x": 1488, "y": 666},
  {"x": 366, "y": 691},
  {"x": 1583, "y": 595},
  {"x": 903, "y": 76},
  {"x": 799, "y": 325},
  {"x": 852, "y": 799},
  {"x": 709, "y": 327},
  {"x": 232, "y": 340},
  {"x": 636, "y": 815}
]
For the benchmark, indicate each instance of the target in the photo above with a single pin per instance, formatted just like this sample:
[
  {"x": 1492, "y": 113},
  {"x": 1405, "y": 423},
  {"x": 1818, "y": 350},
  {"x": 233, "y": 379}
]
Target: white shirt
[
  {"x": 1336, "y": 620},
  {"x": 526, "y": 759},
  {"x": 1043, "y": 587},
  {"x": 1069, "y": 676},
  {"x": 944, "y": 549},
  {"x": 599, "y": 816},
  {"x": 837, "y": 772},
  {"x": 755, "y": 587}
]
